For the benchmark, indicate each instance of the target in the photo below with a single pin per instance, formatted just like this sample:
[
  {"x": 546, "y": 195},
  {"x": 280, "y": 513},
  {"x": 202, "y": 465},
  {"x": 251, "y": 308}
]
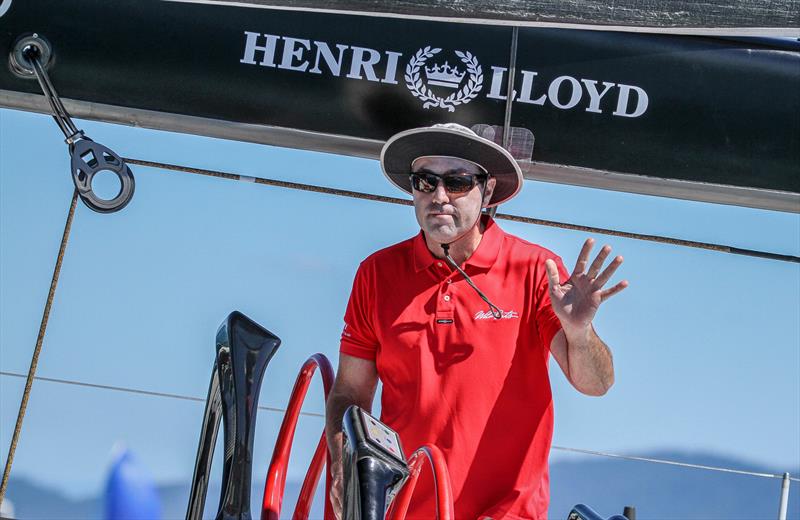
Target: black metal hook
[{"x": 30, "y": 58}]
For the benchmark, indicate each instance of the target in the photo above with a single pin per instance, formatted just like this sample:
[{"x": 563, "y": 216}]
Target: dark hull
[{"x": 703, "y": 118}]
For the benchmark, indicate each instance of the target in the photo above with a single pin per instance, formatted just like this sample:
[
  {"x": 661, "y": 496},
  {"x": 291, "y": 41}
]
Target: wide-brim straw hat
[{"x": 452, "y": 140}]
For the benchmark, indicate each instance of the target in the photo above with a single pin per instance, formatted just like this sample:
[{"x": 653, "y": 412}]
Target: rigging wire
[
  {"x": 38, "y": 348},
  {"x": 671, "y": 463},
  {"x": 144, "y": 392},
  {"x": 721, "y": 248},
  {"x": 322, "y": 416},
  {"x": 64, "y": 122}
]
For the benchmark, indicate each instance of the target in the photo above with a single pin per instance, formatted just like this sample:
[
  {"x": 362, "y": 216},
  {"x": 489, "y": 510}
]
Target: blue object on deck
[{"x": 130, "y": 491}]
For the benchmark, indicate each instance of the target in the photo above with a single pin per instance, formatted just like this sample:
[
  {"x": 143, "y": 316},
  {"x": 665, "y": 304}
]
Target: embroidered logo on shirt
[
  {"x": 487, "y": 315},
  {"x": 344, "y": 331}
]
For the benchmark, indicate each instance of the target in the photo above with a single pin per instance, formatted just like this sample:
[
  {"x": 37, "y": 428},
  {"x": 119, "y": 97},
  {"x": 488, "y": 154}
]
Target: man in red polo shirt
[{"x": 458, "y": 324}]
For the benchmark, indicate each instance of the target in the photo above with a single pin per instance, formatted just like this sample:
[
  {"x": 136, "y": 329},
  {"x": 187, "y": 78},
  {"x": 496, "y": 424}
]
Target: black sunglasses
[{"x": 453, "y": 183}]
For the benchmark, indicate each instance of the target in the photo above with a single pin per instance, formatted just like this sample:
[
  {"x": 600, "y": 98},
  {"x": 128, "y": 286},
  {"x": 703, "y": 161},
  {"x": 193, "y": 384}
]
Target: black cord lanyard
[{"x": 496, "y": 312}]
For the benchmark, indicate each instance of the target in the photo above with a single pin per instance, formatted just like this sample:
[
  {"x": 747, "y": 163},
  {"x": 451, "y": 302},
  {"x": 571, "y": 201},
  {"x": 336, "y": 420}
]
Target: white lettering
[
  {"x": 291, "y": 52},
  {"x": 4, "y": 7},
  {"x": 391, "y": 68},
  {"x": 594, "y": 96},
  {"x": 622, "y": 103},
  {"x": 555, "y": 86},
  {"x": 564, "y": 92},
  {"x": 527, "y": 89},
  {"x": 250, "y": 49},
  {"x": 334, "y": 64},
  {"x": 487, "y": 315},
  {"x": 360, "y": 62},
  {"x": 497, "y": 83}
]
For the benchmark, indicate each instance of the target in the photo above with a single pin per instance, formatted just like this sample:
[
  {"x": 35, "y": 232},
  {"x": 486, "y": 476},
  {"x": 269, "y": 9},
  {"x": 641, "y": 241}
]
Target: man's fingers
[
  {"x": 598, "y": 262},
  {"x": 552, "y": 273},
  {"x": 608, "y": 293},
  {"x": 608, "y": 272},
  {"x": 583, "y": 257}
]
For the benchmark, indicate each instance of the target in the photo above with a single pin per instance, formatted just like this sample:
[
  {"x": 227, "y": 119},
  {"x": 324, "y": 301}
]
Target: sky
[{"x": 706, "y": 345}]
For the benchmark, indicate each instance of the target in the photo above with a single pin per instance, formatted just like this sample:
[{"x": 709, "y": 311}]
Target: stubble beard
[{"x": 443, "y": 230}]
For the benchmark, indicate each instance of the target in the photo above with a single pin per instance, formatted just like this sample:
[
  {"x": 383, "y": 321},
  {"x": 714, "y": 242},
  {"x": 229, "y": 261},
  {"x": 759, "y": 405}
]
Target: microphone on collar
[{"x": 496, "y": 312}]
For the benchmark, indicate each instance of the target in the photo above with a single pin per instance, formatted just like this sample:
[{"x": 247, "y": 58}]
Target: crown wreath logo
[{"x": 443, "y": 76}]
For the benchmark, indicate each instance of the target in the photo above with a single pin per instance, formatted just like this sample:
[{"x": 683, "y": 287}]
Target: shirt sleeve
[
  {"x": 547, "y": 323},
  {"x": 358, "y": 335}
]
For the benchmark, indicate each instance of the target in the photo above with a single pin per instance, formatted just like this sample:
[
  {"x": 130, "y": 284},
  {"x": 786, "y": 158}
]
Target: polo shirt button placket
[
  {"x": 446, "y": 289},
  {"x": 444, "y": 306},
  {"x": 447, "y": 292}
]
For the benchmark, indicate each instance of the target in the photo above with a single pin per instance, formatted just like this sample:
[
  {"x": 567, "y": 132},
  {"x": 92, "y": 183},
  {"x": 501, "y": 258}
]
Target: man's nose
[{"x": 440, "y": 194}]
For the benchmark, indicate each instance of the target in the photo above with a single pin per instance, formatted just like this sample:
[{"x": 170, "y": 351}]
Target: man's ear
[{"x": 488, "y": 191}]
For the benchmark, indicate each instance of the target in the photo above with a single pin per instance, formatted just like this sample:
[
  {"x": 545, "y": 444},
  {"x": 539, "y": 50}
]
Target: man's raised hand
[{"x": 576, "y": 301}]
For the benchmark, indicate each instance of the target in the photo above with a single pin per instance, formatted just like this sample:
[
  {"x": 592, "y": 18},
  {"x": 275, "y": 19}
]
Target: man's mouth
[{"x": 436, "y": 213}]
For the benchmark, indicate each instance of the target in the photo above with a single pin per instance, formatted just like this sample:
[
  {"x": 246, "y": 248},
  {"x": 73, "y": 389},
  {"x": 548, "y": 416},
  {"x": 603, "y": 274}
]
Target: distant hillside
[
  {"x": 607, "y": 485},
  {"x": 661, "y": 492},
  {"x": 34, "y": 501}
]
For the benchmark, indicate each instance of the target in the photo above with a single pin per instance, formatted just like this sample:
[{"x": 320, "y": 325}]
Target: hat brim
[{"x": 402, "y": 148}]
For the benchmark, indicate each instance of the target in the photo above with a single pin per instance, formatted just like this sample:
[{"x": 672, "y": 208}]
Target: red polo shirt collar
[{"x": 484, "y": 256}]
